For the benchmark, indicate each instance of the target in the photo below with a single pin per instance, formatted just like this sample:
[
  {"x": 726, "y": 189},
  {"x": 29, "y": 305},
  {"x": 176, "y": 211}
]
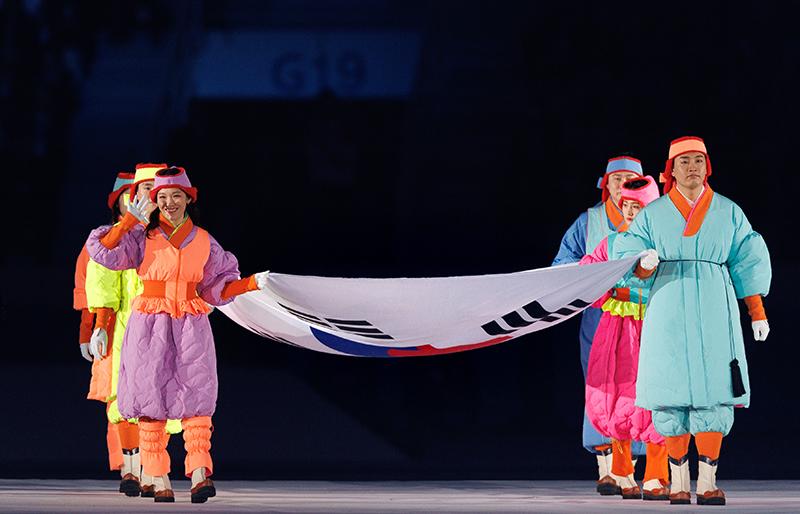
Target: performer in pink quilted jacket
[
  {"x": 168, "y": 362},
  {"x": 614, "y": 360}
]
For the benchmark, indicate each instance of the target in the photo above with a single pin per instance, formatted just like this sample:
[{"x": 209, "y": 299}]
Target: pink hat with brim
[
  {"x": 640, "y": 189},
  {"x": 174, "y": 177}
]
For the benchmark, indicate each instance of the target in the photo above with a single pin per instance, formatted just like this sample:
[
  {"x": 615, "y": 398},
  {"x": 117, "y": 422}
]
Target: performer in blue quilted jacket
[{"x": 591, "y": 227}]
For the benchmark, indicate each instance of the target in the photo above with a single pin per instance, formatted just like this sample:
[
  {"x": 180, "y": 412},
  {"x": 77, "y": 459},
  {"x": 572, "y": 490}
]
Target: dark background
[{"x": 480, "y": 168}]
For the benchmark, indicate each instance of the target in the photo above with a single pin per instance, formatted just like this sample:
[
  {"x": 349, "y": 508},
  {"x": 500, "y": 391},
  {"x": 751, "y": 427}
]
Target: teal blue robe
[{"x": 691, "y": 329}]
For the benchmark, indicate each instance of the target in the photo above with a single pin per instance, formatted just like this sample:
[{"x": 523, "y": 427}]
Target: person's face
[
  {"x": 172, "y": 203},
  {"x": 122, "y": 203},
  {"x": 689, "y": 169},
  {"x": 615, "y": 181},
  {"x": 630, "y": 208},
  {"x": 144, "y": 188}
]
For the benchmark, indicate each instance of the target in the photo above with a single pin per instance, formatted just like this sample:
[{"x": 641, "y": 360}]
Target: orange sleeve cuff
[
  {"x": 643, "y": 273},
  {"x": 113, "y": 236},
  {"x": 755, "y": 307},
  {"x": 237, "y": 287},
  {"x": 104, "y": 317},
  {"x": 85, "y": 333}
]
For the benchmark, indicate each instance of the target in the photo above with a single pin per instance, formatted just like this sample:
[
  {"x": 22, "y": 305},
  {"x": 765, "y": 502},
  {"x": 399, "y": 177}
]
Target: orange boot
[
  {"x": 656, "y": 473},
  {"x": 708, "y": 448},
  {"x": 678, "y": 451},
  {"x": 198, "y": 464},
  {"x": 131, "y": 466},
  {"x": 606, "y": 485},
  {"x": 622, "y": 469},
  {"x": 155, "y": 459},
  {"x": 114, "y": 447}
]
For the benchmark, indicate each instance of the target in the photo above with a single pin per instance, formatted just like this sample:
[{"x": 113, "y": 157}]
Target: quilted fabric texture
[
  {"x": 114, "y": 290},
  {"x": 685, "y": 420},
  {"x": 691, "y": 331},
  {"x": 614, "y": 360},
  {"x": 169, "y": 367},
  {"x": 611, "y": 382},
  {"x": 168, "y": 361}
]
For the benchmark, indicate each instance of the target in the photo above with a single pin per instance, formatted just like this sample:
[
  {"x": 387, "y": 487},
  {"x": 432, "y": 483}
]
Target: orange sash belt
[
  {"x": 622, "y": 294},
  {"x": 158, "y": 289}
]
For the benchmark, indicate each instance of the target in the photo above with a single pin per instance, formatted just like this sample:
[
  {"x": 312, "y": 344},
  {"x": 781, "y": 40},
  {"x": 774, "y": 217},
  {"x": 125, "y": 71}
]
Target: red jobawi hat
[
  {"x": 678, "y": 147},
  {"x": 121, "y": 184},
  {"x": 173, "y": 177}
]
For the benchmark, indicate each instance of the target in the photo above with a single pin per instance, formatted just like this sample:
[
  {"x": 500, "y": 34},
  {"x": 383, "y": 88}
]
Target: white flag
[{"x": 404, "y": 317}]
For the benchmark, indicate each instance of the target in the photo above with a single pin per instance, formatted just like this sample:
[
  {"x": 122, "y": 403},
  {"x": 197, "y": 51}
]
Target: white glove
[
  {"x": 760, "y": 330},
  {"x": 261, "y": 279},
  {"x": 649, "y": 260},
  {"x": 99, "y": 343},
  {"x": 85, "y": 352},
  {"x": 141, "y": 209}
]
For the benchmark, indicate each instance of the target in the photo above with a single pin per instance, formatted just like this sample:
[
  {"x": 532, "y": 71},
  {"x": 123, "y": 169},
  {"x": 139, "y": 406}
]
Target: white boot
[
  {"x": 148, "y": 486},
  {"x": 707, "y": 491},
  {"x": 164, "y": 493},
  {"x": 202, "y": 487},
  {"x": 131, "y": 463},
  {"x": 198, "y": 476},
  {"x": 679, "y": 489},
  {"x": 162, "y": 483},
  {"x": 129, "y": 485},
  {"x": 603, "y": 465},
  {"x": 625, "y": 482},
  {"x": 652, "y": 484},
  {"x": 606, "y": 485}
]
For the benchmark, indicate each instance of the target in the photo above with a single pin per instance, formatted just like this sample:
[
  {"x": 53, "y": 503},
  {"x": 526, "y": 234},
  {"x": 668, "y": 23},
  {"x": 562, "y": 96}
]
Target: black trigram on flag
[
  {"x": 536, "y": 312},
  {"x": 354, "y": 326}
]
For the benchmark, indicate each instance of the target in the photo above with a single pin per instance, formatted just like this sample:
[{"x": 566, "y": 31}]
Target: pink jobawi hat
[
  {"x": 640, "y": 189},
  {"x": 174, "y": 177}
]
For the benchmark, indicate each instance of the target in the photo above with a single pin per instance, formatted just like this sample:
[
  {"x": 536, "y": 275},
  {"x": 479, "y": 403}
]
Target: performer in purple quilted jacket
[{"x": 168, "y": 362}]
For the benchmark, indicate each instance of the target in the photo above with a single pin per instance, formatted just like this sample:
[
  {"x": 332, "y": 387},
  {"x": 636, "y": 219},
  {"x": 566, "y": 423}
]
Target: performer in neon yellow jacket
[{"x": 692, "y": 365}]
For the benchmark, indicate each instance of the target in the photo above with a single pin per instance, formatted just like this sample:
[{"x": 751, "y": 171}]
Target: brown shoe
[
  {"x": 631, "y": 493},
  {"x": 680, "y": 498},
  {"x": 716, "y": 497},
  {"x": 130, "y": 485},
  {"x": 165, "y": 496},
  {"x": 148, "y": 491},
  {"x": 203, "y": 491},
  {"x": 607, "y": 486},
  {"x": 659, "y": 493}
]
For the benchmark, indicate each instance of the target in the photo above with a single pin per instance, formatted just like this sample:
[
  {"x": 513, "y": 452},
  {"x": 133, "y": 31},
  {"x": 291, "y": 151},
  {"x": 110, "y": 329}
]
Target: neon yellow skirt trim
[{"x": 624, "y": 309}]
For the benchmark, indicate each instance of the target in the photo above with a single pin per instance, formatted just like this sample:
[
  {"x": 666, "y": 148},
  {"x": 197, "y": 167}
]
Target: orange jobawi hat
[{"x": 678, "y": 147}]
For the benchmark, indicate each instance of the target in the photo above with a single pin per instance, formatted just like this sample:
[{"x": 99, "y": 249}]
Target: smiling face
[
  {"x": 630, "y": 208},
  {"x": 615, "y": 181},
  {"x": 172, "y": 203},
  {"x": 689, "y": 170}
]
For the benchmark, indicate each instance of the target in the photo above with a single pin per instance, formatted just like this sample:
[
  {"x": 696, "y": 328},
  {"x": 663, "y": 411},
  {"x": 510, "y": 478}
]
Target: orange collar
[
  {"x": 176, "y": 235},
  {"x": 614, "y": 214},
  {"x": 694, "y": 216}
]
